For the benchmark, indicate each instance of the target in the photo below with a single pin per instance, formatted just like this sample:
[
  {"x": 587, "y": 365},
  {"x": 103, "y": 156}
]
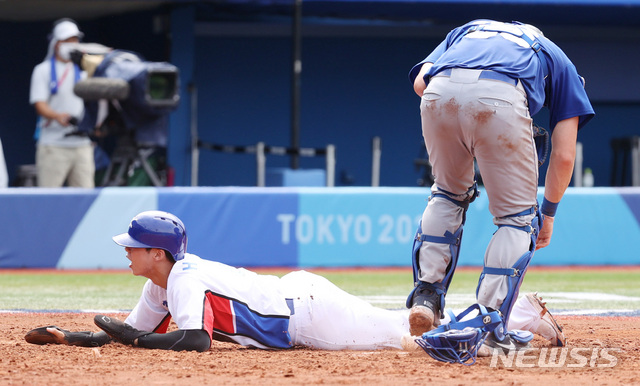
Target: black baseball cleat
[
  {"x": 506, "y": 345},
  {"x": 425, "y": 311}
]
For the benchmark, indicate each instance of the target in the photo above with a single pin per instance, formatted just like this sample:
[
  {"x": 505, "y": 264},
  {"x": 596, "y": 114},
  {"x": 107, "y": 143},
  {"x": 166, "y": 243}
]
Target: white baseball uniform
[{"x": 264, "y": 311}]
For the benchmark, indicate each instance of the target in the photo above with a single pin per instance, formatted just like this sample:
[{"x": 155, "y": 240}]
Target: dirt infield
[{"x": 601, "y": 350}]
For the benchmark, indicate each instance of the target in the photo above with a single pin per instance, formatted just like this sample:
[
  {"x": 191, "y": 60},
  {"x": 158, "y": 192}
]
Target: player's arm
[
  {"x": 56, "y": 335},
  {"x": 419, "y": 84},
  {"x": 180, "y": 340},
  {"x": 561, "y": 162}
]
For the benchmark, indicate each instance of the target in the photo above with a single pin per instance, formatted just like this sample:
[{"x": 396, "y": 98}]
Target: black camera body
[
  {"x": 128, "y": 100},
  {"x": 140, "y": 94}
]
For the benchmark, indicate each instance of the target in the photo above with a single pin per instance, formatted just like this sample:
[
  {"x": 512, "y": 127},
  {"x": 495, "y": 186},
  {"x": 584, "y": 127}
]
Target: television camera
[{"x": 129, "y": 98}]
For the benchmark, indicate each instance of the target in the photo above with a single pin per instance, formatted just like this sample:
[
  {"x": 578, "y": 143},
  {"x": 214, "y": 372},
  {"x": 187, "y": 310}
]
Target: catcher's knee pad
[
  {"x": 453, "y": 239},
  {"x": 516, "y": 273}
]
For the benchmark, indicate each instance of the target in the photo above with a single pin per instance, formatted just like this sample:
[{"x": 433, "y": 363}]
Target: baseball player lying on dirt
[{"x": 213, "y": 301}]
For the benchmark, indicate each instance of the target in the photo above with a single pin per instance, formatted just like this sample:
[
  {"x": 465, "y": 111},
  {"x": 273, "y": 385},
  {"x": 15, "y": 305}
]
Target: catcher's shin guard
[
  {"x": 516, "y": 273},
  {"x": 453, "y": 239},
  {"x": 439, "y": 288}
]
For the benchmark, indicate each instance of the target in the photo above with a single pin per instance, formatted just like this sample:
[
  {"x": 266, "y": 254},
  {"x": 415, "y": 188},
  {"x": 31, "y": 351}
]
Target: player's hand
[
  {"x": 57, "y": 335},
  {"x": 544, "y": 238}
]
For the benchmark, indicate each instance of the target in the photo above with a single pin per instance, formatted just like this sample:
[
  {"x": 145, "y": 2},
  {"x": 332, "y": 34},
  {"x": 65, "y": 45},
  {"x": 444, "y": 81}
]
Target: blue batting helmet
[{"x": 156, "y": 229}]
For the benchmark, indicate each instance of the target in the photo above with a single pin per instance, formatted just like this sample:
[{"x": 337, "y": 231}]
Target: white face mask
[{"x": 65, "y": 50}]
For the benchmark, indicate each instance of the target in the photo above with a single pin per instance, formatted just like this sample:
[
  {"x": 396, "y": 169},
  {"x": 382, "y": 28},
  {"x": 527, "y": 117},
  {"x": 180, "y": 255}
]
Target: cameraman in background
[{"x": 61, "y": 155}]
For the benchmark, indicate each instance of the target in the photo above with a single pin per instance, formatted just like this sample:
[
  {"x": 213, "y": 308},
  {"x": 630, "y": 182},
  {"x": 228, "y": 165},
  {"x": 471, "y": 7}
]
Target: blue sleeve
[
  {"x": 439, "y": 50},
  {"x": 568, "y": 98},
  {"x": 437, "y": 53},
  {"x": 433, "y": 56}
]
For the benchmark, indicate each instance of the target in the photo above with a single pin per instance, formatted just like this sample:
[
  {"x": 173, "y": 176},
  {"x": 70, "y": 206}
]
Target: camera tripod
[{"x": 126, "y": 158}]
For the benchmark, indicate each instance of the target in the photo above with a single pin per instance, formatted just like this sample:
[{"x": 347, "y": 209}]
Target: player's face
[{"x": 141, "y": 260}]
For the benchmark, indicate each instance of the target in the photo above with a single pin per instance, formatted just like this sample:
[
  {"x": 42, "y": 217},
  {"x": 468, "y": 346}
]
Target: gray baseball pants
[{"x": 466, "y": 117}]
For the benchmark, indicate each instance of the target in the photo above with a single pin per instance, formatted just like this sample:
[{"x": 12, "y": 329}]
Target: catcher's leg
[
  {"x": 450, "y": 148},
  {"x": 435, "y": 256},
  {"x": 511, "y": 277}
]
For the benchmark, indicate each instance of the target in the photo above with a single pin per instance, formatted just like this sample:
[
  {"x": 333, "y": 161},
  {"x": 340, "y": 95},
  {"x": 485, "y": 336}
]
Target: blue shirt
[{"x": 562, "y": 92}]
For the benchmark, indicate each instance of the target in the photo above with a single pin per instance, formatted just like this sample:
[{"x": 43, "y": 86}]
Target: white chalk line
[{"x": 559, "y": 303}]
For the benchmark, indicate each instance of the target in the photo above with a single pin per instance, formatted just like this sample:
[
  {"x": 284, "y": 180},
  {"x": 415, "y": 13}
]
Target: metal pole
[
  {"x": 577, "y": 167},
  {"x": 195, "y": 150},
  {"x": 376, "y": 152},
  {"x": 635, "y": 161},
  {"x": 261, "y": 161},
  {"x": 295, "y": 81},
  {"x": 331, "y": 165}
]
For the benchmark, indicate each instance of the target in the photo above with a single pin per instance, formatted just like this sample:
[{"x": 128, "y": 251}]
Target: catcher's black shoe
[
  {"x": 506, "y": 345},
  {"x": 425, "y": 310}
]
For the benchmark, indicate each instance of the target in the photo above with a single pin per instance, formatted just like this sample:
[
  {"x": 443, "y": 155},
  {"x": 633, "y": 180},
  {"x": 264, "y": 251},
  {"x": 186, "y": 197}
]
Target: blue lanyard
[{"x": 54, "y": 78}]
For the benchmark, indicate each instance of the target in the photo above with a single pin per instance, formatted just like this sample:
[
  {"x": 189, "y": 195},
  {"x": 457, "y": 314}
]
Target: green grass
[
  {"x": 372, "y": 283},
  {"x": 121, "y": 290},
  {"x": 69, "y": 291},
  {"x": 619, "y": 282},
  {"x": 549, "y": 284}
]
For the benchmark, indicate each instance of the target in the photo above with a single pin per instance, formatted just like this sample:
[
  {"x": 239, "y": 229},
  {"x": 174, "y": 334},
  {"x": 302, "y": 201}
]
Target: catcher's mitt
[
  {"x": 542, "y": 141},
  {"x": 56, "y": 335},
  {"x": 119, "y": 330}
]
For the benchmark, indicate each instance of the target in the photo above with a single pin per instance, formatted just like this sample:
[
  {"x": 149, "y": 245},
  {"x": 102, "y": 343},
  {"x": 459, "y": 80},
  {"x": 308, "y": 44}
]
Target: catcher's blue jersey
[{"x": 563, "y": 90}]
